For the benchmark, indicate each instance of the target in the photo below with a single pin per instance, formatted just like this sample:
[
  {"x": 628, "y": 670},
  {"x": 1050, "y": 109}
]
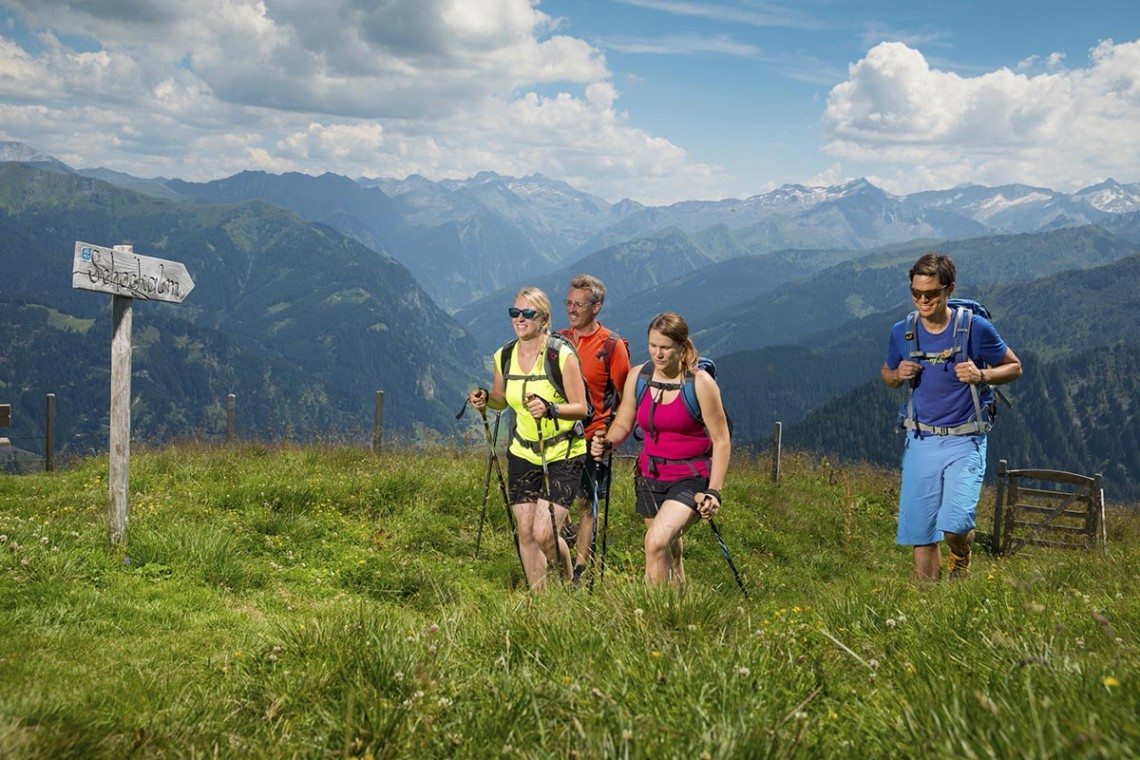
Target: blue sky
[{"x": 658, "y": 100}]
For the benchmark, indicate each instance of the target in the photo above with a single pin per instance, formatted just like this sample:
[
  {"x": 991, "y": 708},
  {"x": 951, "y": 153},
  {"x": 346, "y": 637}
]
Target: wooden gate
[{"x": 1047, "y": 508}]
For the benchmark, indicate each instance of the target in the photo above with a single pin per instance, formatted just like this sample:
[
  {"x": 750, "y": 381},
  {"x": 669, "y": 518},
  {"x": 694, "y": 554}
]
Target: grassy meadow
[{"x": 322, "y": 602}]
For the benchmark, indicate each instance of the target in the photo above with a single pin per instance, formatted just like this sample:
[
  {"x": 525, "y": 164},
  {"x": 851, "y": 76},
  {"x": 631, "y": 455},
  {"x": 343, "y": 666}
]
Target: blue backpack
[
  {"x": 964, "y": 311},
  {"x": 688, "y": 388}
]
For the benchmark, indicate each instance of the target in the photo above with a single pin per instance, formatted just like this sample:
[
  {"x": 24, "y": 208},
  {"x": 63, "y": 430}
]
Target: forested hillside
[
  {"x": 320, "y": 320},
  {"x": 877, "y": 282},
  {"x": 1080, "y": 413}
]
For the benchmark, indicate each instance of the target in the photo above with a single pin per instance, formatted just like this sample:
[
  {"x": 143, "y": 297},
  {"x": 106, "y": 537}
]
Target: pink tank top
[{"x": 678, "y": 437}]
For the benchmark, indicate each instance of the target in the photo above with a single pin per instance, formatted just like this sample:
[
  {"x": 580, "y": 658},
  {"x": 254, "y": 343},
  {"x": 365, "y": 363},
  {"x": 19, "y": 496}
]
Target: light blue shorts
[{"x": 941, "y": 483}]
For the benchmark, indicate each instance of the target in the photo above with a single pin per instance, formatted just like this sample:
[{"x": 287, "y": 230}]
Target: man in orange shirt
[{"x": 604, "y": 358}]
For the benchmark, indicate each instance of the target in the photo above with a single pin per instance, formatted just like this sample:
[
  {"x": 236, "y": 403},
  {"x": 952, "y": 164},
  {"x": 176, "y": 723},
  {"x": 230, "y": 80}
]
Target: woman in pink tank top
[{"x": 681, "y": 467}]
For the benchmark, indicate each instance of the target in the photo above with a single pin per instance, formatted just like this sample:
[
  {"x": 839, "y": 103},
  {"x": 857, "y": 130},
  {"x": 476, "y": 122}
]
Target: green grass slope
[{"x": 322, "y": 602}]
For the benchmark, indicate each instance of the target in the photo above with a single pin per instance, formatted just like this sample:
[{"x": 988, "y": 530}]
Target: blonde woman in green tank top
[{"x": 547, "y": 451}]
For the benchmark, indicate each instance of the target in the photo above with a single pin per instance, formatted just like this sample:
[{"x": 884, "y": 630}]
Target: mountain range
[
  {"x": 314, "y": 292},
  {"x": 466, "y": 239}
]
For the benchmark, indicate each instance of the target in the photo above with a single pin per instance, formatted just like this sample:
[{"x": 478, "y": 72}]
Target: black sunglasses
[
  {"x": 926, "y": 295},
  {"x": 524, "y": 313}
]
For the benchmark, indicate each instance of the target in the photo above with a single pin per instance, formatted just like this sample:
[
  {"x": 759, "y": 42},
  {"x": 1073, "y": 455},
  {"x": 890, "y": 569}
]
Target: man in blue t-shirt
[{"x": 945, "y": 456}]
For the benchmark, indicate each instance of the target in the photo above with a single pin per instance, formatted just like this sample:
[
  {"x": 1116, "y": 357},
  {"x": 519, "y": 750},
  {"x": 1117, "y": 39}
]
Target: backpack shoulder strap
[
  {"x": 643, "y": 381},
  {"x": 689, "y": 397},
  {"x": 610, "y": 345},
  {"x": 963, "y": 318},
  {"x": 505, "y": 357},
  {"x": 910, "y": 335},
  {"x": 552, "y": 360},
  {"x": 962, "y": 321}
]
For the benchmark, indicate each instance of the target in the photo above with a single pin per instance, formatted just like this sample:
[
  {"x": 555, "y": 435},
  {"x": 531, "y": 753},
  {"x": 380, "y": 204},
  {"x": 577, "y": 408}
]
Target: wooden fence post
[
  {"x": 378, "y": 423},
  {"x": 777, "y": 436},
  {"x": 49, "y": 434},
  {"x": 1098, "y": 499},
  {"x": 231, "y": 403},
  {"x": 999, "y": 507}
]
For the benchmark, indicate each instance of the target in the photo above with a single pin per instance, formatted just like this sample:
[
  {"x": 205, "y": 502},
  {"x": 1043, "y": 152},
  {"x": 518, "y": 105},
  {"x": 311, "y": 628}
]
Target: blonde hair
[
  {"x": 540, "y": 301},
  {"x": 673, "y": 326}
]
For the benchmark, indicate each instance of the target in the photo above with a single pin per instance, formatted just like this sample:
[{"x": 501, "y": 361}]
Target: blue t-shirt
[{"x": 939, "y": 397}]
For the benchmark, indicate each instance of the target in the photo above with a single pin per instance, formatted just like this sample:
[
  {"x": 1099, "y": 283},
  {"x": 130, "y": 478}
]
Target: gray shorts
[{"x": 651, "y": 494}]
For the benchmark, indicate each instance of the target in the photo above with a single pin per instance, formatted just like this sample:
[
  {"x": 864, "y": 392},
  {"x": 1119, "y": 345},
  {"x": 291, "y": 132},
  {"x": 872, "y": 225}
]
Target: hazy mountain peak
[
  {"x": 860, "y": 185},
  {"x": 486, "y": 176},
  {"x": 23, "y": 153},
  {"x": 1110, "y": 197},
  {"x": 1107, "y": 184},
  {"x": 626, "y": 206}
]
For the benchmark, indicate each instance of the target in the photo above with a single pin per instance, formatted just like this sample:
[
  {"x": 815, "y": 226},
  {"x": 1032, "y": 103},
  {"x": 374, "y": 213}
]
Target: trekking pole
[
  {"x": 487, "y": 479},
  {"x": 594, "y": 523},
  {"x": 494, "y": 460},
  {"x": 727, "y": 557},
  {"x": 549, "y": 503},
  {"x": 608, "y": 463}
]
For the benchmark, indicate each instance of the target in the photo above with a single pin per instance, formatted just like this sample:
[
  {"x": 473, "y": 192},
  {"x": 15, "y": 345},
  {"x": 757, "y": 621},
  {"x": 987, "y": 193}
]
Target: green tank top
[{"x": 554, "y": 432}]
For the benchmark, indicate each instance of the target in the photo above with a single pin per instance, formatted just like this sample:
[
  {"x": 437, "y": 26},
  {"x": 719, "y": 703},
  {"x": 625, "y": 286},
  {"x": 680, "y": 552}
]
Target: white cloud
[
  {"x": 751, "y": 14},
  {"x": 683, "y": 45},
  {"x": 876, "y": 32},
  {"x": 1061, "y": 129},
  {"x": 445, "y": 88},
  {"x": 832, "y": 175}
]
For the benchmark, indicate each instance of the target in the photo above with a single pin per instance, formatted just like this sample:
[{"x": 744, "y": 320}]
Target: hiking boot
[
  {"x": 959, "y": 566},
  {"x": 576, "y": 579}
]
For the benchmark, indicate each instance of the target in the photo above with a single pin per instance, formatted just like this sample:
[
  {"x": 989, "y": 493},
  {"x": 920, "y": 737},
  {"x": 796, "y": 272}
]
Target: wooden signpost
[{"x": 125, "y": 275}]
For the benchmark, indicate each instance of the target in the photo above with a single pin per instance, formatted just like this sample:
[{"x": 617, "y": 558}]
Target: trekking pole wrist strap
[{"x": 713, "y": 492}]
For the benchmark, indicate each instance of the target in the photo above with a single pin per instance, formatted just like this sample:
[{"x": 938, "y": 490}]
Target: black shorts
[
  {"x": 526, "y": 481},
  {"x": 602, "y": 469},
  {"x": 651, "y": 494}
]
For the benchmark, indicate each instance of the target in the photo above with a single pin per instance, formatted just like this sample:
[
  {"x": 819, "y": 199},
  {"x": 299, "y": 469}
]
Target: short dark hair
[
  {"x": 591, "y": 285},
  {"x": 934, "y": 264}
]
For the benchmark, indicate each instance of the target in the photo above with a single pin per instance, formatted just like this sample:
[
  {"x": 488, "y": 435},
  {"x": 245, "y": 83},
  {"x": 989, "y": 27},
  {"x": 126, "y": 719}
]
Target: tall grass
[{"x": 319, "y": 602}]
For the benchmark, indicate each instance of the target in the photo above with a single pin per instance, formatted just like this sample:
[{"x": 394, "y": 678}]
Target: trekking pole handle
[
  {"x": 705, "y": 508},
  {"x": 600, "y": 441},
  {"x": 547, "y": 409}
]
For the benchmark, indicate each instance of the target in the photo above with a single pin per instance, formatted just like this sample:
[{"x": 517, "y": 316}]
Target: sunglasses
[
  {"x": 926, "y": 295},
  {"x": 577, "y": 304},
  {"x": 524, "y": 313}
]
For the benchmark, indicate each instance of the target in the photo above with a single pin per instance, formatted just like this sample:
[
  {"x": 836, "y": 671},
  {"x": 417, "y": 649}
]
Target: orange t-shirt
[{"x": 592, "y": 357}]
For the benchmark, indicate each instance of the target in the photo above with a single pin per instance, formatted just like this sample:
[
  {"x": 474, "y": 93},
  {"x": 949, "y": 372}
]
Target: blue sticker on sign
[{"x": 85, "y": 253}]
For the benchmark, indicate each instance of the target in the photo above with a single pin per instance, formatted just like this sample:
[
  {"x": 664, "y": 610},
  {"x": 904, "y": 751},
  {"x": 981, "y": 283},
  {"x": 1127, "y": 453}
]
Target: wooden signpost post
[{"x": 126, "y": 276}]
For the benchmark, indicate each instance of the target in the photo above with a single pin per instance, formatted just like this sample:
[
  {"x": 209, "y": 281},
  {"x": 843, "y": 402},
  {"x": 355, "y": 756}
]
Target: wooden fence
[{"x": 1052, "y": 508}]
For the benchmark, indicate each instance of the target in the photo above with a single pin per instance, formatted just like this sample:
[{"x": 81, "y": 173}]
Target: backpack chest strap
[
  {"x": 549, "y": 440},
  {"x": 655, "y": 461}
]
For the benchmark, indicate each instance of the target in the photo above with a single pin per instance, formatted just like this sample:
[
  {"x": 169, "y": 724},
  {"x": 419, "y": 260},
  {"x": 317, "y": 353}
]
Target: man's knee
[{"x": 960, "y": 542}]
